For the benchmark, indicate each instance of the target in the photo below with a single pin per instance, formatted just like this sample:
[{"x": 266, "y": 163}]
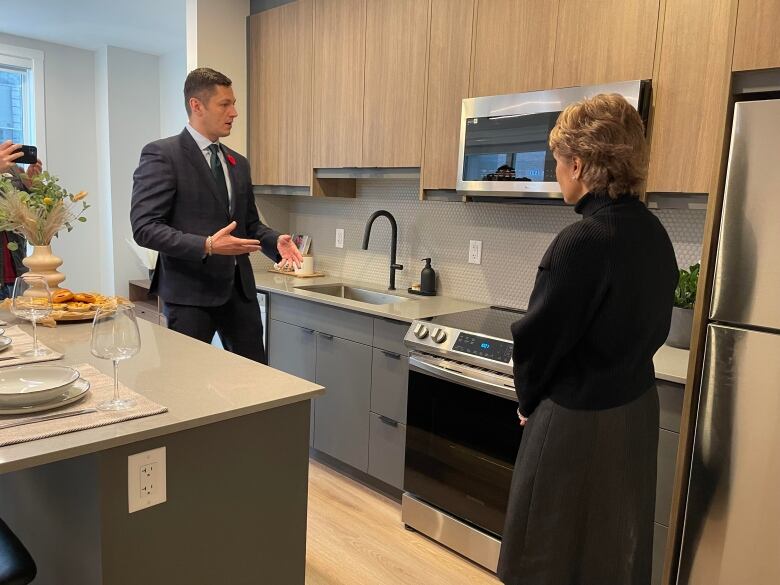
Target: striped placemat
[
  {"x": 101, "y": 389},
  {"x": 22, "y": 342}
]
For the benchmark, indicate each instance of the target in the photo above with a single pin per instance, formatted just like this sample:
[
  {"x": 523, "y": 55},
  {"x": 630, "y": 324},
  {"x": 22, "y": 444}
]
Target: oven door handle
[{"x": 424, "y": 367}]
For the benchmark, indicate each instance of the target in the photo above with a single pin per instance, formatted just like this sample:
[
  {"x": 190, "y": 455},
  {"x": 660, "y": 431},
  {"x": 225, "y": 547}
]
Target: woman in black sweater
[{"x": 583, "y": 492}]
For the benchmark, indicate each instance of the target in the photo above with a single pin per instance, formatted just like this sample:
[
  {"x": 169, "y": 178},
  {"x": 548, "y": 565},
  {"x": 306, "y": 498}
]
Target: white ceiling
[{"x": 148, "y": 26}]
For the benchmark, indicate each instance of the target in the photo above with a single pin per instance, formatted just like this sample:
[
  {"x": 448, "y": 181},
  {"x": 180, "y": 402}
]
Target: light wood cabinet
[
  {"x": 448, "y": 85},
  {"x": 339, "y": 67},
  {"x": 514, "y": 46},
  {"x": 600, "y": 41},
  {"x": 691, "y": 91},
  {"x": 757, "y": 43},
  {"x": 280, "y": 95},
  {"x": 394, "y": 101}
]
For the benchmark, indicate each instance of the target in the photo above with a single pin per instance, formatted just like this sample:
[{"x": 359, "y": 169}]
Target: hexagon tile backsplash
[{"x": 514, "y": 238}]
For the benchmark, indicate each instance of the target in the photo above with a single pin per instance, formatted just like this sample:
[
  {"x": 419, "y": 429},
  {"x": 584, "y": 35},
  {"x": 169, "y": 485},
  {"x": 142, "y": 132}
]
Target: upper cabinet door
[
  {"x": 449, "y": 65},
  {"x": 600, "y": 41},
  {"x": 295, "y": 141},
  {"x": 339, "y": 59},
  {"x": 394, "y": 105},
  {"x": 514, "y": 47},
  {"x": 264, "y": 97},
  {"x": 280, "y": 96},
  {"x": 757, "y": 45},
  {"x": 691, "y": 93}
]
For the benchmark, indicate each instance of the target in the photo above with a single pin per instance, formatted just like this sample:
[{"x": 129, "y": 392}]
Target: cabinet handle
[
  {"x": 308, "y": 331},
  {"x": 326, "y": 336},
  {"x": 388, "y": 421},
  {"x": 390, "y": 354}
]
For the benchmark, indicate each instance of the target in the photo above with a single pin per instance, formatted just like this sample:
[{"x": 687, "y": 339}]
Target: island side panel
[{"x": 235, "y": 510}]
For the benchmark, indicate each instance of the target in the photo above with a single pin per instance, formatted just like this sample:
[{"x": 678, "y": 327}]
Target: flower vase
[{"x": 43, "y": 263}]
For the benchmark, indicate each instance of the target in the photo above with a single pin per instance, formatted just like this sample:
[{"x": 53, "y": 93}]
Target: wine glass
[
  {"x": 115, "y": 337},
  {"x": 32, "y": 301}
]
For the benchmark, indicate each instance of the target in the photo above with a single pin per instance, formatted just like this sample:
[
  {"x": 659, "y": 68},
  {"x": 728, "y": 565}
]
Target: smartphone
[{"x": 30, "y": 155}]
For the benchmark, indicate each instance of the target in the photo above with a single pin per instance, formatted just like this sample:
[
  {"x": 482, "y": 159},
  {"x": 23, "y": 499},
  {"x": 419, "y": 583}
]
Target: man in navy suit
[{"x": 193, "y": 202}]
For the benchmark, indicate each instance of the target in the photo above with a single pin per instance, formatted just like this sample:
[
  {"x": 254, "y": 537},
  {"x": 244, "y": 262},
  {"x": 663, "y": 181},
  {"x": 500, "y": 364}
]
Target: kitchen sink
[{"x": 352, "y": 293}]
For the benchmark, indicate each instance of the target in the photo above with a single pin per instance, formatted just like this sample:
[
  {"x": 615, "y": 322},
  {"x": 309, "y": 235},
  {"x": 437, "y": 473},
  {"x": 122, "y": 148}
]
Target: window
[{"x": 21, "y": 97}]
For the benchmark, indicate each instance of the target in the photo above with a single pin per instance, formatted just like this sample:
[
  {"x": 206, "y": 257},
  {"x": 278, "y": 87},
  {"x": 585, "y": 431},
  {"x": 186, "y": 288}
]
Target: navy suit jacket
[{"x": 176, "y": 205}]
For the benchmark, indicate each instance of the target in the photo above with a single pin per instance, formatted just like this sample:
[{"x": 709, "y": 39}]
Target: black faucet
[{"x": 393, "y": 243}]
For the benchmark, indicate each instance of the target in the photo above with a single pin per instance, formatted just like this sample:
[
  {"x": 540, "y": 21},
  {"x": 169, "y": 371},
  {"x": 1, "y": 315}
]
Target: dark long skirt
[{"x": 582, "y": 500}]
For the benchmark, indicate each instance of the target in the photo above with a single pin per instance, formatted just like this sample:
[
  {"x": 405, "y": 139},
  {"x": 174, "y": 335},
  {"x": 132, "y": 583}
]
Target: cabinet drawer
[
  {"x": 320, "y": 317},
  {"x": 389, "y": 335},
  {"x": 387, "y": 442},
  {"x": 147, "y": 314},
  {"x": 670, "y": 399},
  {"x": 389, "y": 380},
  {"x": 667, "y": 464}
]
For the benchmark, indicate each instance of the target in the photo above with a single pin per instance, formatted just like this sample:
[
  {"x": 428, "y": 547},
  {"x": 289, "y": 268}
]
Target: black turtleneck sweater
[{"x": 599, "y": 311}]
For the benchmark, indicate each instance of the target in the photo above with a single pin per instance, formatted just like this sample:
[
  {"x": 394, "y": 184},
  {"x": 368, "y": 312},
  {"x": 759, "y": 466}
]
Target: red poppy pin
[{"x": 231, "y": 160}]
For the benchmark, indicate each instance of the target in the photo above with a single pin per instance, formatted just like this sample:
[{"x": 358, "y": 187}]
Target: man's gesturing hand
[{"x": 224, "y": 244}]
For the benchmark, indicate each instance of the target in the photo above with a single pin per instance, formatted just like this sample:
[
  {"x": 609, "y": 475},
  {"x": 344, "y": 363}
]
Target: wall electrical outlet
[
  {"x": 475, "y": 252},
  {"x": 146, "y": 482},
  {"x": 339, "y": 238}
]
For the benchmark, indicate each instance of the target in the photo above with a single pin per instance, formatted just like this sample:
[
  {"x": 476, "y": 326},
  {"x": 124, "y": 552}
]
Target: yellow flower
[
  {"x": 79, "y": 196},
  {"x": 48, "y": 200}
]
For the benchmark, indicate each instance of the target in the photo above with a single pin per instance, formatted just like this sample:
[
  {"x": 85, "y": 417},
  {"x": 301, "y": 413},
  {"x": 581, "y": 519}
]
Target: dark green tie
[{"x": 219, "y": 173}]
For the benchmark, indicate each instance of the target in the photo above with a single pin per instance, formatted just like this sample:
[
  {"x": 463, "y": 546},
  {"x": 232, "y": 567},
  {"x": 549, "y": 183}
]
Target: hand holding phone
[
  {"x": 29, "y": 155},
  {"x": 11, "y": 154}
]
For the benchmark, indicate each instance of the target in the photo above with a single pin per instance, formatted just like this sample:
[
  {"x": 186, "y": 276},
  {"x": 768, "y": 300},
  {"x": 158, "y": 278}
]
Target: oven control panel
[{"x": 486, "y": 347}]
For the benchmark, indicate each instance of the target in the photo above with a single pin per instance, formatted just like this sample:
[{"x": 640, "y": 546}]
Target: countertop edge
[{"x": 150, "y": 433}]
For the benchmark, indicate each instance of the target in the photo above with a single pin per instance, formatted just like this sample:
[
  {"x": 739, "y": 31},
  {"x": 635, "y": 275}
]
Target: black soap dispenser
[{"x": 427, "y": 280}]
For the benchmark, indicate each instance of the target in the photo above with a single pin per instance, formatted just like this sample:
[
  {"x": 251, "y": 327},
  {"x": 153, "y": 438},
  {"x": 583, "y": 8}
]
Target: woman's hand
[
  {"x": 9, "y": 152},
  {"x": 523, "y": 419}
]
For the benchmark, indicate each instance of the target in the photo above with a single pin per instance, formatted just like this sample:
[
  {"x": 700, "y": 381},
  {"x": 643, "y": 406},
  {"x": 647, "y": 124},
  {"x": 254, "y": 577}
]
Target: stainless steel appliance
[
  {"x": 731, "y": 533},
  {"x": 462, "y": 431},
  {"x": 503, "y": 139}
]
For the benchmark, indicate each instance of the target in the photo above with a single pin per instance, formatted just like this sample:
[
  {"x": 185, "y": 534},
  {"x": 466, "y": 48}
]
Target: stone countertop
[
  {"x": 417, "y": 307},
  {"x": 199, "y": 384},
  {"x": 671, "y": 364}
]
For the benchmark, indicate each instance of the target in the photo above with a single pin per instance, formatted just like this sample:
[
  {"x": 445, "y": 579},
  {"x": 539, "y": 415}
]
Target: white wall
[
  {"x": 216, "y": 38},
  {"x": 71, "y": 150},
  {"x": 133, "y": 90},
  {"x": 173, "y": 71}
]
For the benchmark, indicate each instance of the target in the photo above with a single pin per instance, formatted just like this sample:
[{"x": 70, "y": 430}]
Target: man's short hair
[{"x": 201, "y": 83}]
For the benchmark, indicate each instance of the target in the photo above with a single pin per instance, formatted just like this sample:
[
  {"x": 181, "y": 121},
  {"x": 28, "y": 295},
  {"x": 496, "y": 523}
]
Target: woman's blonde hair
[{"x": 606, "y": 133}]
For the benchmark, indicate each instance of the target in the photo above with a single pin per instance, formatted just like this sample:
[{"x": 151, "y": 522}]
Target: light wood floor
[{"x": 355, "y": 536}]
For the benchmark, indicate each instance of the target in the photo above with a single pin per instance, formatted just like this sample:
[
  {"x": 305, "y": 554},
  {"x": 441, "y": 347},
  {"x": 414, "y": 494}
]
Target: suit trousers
[{"x": 237, "y": 322}]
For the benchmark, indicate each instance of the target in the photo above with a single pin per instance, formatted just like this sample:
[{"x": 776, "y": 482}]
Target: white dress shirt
[{"x": 204, "y": 143}]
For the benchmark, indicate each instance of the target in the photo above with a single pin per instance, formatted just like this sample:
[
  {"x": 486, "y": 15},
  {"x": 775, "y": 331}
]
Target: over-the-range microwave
[{"x": 504, "y": 148}]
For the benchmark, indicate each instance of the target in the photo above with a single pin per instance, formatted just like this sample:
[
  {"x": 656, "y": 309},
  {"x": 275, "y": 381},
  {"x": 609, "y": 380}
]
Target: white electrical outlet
[
  {"x": 475, "y": 252},
  {"x": 339, "y": 238},
  {"x": 146, "y": 483}
]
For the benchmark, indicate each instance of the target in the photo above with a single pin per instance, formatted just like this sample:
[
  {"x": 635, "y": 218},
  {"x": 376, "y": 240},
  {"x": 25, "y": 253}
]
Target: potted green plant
[{"x": 682, "y": 313}]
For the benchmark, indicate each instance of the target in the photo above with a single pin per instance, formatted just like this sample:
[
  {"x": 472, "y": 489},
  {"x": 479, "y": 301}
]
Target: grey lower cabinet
[
  {"x": 363, "y": 364},
  {"x": 670, "y": 398},
  {"x": 293, "y": 349},
  {"x": 341, "y": 428}
]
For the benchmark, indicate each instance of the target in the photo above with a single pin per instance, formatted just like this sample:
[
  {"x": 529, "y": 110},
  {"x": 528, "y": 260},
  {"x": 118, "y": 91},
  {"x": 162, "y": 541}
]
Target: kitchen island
[{"x": 236, "y": 436}]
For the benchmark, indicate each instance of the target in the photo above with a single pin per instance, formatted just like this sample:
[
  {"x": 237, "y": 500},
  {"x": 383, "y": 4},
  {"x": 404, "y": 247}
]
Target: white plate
[
  {"x": 71, "y": 394},
  {"x": 33, "y": 384},
  {"x": 2, "y": 331},
  {"x": 5, "y": 342}
]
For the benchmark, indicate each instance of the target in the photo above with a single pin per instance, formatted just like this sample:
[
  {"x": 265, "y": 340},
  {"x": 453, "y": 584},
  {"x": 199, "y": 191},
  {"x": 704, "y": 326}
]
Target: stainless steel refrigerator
[{"x": 731, "y": 534}]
